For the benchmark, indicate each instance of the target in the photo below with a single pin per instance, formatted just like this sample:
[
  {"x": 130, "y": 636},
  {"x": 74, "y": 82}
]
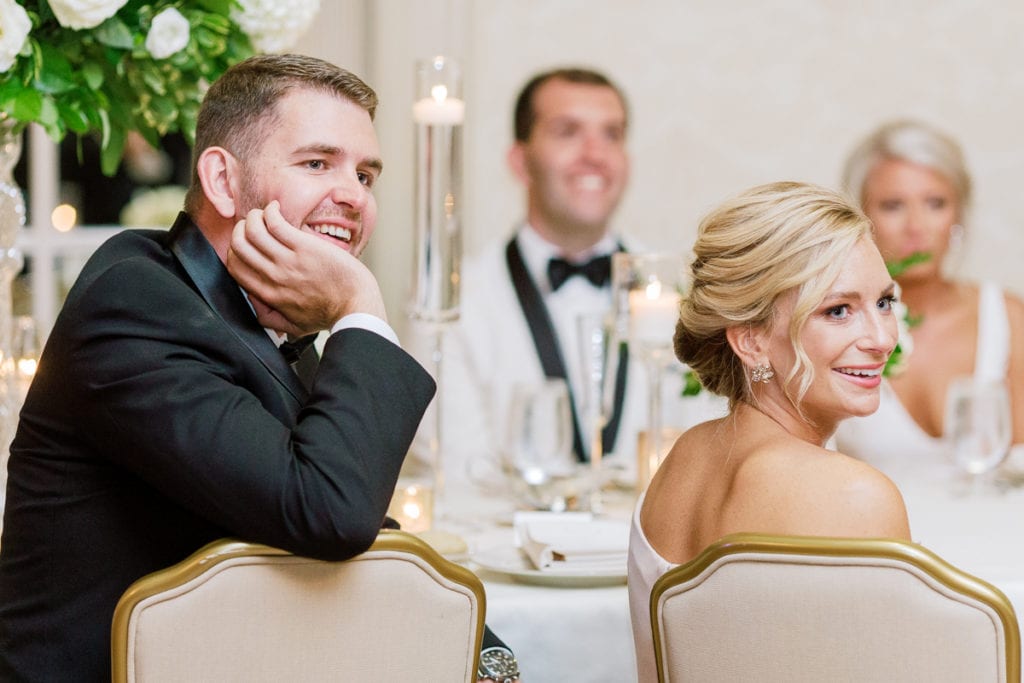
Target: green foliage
[
  {"x": 897, "y": 268},
  {"x": 103, "y": 80},
  {"x": 691, "y": 385},
  {"x": 894, "y": 365},
  {"x": 898, "y": 358}
]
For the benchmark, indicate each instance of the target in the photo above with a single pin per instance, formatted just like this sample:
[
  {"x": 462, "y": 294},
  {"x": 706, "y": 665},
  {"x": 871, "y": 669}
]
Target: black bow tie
[
  {"x": 291, "y": 350},
  {"x": 597, "y": 270}
]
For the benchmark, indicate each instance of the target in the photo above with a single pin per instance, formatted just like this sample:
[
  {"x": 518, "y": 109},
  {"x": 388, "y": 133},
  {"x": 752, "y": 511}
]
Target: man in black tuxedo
[{"x": 163, "y": 415}]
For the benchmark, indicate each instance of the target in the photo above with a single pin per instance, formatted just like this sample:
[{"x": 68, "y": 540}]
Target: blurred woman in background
[{"x": 911, "y": 181}]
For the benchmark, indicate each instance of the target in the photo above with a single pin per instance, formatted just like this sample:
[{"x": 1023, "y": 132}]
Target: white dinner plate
[{"x": 511, "y": 562}]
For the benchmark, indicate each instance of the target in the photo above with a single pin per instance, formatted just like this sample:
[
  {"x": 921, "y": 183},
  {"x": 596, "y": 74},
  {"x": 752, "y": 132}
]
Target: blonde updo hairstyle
[
  {"x": 914, "y": 142},
  {"x": 750, "y": 251}
]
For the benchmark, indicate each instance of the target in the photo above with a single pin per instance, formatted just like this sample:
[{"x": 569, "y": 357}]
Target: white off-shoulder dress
[{"x": 644, "y": 567}]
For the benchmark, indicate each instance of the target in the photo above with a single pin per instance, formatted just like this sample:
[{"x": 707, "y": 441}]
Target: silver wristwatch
[{"x": 498, "y": 664}]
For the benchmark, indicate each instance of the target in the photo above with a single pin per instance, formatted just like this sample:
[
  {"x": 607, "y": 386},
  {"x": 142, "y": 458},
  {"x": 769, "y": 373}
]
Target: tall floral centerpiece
[{"x": 106, "y": 68}]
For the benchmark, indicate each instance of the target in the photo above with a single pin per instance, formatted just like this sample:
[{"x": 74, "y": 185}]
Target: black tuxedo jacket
[{"x": 163, "y": 417}]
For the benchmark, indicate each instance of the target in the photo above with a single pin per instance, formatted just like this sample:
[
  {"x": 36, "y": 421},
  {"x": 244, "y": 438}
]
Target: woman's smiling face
[{"x": 847, "y": 338}]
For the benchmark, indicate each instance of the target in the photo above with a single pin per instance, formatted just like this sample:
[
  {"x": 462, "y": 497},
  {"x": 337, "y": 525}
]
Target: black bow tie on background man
[{"x": 598, "y": 270}]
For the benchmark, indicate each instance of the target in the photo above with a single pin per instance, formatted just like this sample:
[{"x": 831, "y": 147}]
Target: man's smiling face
[
  {"x": 574, "y": 164},
  {"x": 320, "y": 160}
]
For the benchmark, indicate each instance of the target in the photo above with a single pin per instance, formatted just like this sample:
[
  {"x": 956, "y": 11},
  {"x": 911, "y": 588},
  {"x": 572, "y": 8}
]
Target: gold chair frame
[
  {"x": 207, "y": 558},
  {"x": 912, "y": 554}
]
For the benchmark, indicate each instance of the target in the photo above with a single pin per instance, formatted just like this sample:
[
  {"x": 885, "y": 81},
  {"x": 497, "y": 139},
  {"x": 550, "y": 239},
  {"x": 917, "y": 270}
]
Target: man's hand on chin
[
  {"x": 273, "y": 320},
  {"x": 303, "y": 283}
]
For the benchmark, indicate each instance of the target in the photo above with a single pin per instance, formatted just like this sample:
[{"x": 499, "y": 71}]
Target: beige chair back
[
  {"x": 236, "y": 611},
  {"x": 764, "y": 608}
]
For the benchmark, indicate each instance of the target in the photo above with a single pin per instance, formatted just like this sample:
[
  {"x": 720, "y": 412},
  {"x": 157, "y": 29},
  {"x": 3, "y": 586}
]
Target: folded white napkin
[{"x": 572, "y": 542}]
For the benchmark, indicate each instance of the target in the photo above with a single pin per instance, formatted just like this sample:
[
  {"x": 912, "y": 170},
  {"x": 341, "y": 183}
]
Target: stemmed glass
[
  {"x": 539, "y": 445},
  {"x": 978, "y": 426}
]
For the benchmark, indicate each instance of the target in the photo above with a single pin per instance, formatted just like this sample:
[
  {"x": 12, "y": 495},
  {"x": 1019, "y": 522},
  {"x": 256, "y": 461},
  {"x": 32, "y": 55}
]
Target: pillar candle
[
  {"x": 439, "y": 109},
  {"x": 653, "y": 312}
]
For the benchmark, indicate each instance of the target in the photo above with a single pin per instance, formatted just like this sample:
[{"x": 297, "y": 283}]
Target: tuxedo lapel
[{"x": 223, "y": 295}]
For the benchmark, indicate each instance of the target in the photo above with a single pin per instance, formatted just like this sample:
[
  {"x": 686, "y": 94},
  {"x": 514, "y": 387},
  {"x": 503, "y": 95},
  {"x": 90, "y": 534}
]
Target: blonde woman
[
  {"x": 911, "y": 181},
  {"x": 790, "y": 317}
]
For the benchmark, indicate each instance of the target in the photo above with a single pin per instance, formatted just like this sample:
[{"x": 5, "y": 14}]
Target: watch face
[{"x": 498, "y": 663}]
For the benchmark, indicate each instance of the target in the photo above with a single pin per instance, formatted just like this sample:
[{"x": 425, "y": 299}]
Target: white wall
[{"x": 723, "y": 95}]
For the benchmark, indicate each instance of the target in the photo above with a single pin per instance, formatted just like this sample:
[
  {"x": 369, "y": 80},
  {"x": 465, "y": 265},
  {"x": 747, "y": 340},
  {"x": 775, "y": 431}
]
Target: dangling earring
[{"x": 762, "y": 373}]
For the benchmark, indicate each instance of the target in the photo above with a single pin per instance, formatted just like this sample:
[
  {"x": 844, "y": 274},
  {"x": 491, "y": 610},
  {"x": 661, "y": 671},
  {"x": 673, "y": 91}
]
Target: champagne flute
[
  {"x": 597, "y": 393},
  {"x": 978, "y": 426}
]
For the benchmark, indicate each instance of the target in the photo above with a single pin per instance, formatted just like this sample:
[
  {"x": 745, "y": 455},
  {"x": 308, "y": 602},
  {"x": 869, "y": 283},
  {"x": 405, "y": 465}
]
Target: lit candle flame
[
  {"x": 439, "y": 93},
  {"x": 653, "y": 289}
]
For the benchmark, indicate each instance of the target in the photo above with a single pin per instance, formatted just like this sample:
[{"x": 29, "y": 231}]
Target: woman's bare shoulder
[
  {"x": 1014, "y": 311},
  {"x": 808, "y": 490}
]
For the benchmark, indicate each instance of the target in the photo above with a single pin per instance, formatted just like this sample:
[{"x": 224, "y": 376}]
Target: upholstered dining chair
[
  {"x": 775, "y": 608},
  {"x": 236, "y": 611}
]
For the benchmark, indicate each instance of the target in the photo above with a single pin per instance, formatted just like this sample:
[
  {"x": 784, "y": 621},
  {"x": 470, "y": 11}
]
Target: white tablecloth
[
  {"x": 564, "y": 634},
  {"x": 980, "y": 533},
  {"x": 559, "y": 633},
  {"x": 584, "y": 634}
]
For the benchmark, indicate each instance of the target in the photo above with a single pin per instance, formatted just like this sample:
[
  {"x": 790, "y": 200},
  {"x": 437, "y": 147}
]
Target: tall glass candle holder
[
  {"x": 438, "y": 113},
  {"x": 647, "y": 289}
]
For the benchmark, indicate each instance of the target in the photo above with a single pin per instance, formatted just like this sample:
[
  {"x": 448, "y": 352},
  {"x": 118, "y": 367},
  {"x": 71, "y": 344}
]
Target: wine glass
[
  {"x": 538, "y": 454},
  {"x": 978, "y": 425}
]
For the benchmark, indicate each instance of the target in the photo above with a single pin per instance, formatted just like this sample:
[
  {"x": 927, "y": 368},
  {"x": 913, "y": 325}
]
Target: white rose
[
  {"x": 154, "y": 208},
  {"x": 168, "y": 34},
  {"x": 79, "y": 14},
  {"x": 14, "y": 28},
  {"x": 275, "y": 25}
]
